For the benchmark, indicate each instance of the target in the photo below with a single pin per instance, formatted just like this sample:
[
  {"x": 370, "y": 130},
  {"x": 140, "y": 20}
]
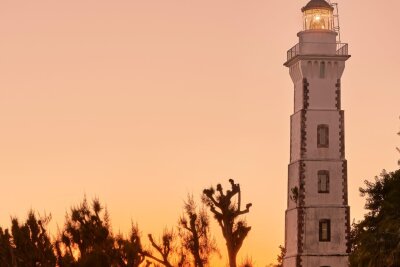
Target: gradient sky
[{"x": 142, "y": 102}]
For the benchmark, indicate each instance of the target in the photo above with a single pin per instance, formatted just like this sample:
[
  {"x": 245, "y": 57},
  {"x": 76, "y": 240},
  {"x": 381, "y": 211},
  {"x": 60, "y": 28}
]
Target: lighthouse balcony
[{"x": 317, "y": 49}]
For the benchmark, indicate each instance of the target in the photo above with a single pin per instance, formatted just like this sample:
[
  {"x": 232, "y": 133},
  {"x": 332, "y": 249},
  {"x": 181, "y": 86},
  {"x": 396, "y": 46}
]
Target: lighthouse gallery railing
[{"x": 341, "y": 49}]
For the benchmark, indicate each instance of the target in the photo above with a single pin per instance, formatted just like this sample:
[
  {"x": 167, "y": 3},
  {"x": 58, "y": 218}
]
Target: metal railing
[
  {"x": 342, "y": 49},
  {"x": 294, "y": 51}
]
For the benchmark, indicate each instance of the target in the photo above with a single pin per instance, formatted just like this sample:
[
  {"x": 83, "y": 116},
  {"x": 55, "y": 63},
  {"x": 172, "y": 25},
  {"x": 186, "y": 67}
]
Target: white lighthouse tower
[{"x": 317, "y": 215}]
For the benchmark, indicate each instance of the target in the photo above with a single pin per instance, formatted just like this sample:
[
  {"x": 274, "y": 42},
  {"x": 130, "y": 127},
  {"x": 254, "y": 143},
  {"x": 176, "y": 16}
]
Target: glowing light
[{"x": 318, "y": 19}]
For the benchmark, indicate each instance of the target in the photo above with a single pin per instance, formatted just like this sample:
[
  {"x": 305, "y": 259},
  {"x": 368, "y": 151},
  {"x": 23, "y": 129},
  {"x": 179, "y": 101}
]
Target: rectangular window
[
  {"x": 322, "y": 70},
  {"x": 323, "y": 181},
  {"x": 325, "y": 230},
  {"x": 323, "y": 135}
]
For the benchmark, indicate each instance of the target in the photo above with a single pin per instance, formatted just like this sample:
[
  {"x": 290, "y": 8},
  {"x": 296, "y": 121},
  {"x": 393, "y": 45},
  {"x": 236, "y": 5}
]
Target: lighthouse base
[{"x": 316, "y": 261}]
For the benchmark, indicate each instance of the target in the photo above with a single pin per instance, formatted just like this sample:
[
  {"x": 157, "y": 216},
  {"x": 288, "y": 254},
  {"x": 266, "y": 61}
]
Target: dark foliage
[
  {"x": 130, "y": 251},
  {"x": 28, "y": 244},
  {"x": 87, "y": 236},
  {"x": 376, "y": 239},
  {"x": 87, "y": 240},
  {"x": 165, "y": 249},
  {"x": 6, "y": 249},
  {"x": 280, "y": 257},
  {"x": 194, "y": 230}
]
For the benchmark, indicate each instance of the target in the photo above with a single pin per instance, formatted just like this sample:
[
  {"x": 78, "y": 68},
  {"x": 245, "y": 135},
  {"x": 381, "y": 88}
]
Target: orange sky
[{"x": 141, "y": 102}]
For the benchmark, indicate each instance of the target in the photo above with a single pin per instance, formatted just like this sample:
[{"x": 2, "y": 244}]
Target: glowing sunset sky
[{"x": 141, "y": 102}]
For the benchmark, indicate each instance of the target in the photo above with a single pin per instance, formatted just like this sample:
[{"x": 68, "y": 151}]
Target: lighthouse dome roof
[{"x": 317, "y": 4}]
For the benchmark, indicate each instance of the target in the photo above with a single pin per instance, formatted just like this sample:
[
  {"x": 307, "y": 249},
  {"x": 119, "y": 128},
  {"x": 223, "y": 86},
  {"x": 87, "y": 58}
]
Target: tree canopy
[{"x": 376, "y": 238}]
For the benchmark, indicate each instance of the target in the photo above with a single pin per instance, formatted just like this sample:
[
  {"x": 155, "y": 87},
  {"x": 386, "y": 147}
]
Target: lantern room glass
[{"x": 318, "y": 19}]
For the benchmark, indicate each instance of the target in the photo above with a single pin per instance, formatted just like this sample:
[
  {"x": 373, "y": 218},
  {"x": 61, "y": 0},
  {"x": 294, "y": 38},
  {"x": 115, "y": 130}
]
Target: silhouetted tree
[
  {"x": 279, "y": 258},
  {"x": 226, "y": 209},
  {"x": 87, "y": 234},
  {"x": 398, "y": 148},
  {"x": 165, "y": 249},
  {"x": 6, "y": 249},
  {"x": 29, "y": 243},
  {"x": 194, "y": 230},
  {"x": 130, "y": 250},
  {"x": 376, "y": 239}
]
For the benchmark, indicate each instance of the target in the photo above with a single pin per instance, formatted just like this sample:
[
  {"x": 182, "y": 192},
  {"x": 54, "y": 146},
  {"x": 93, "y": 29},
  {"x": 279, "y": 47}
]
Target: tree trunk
[
  {"x": 232, "y": 258},
  {"x": 196, "y": 249},
  {"x": 229, "y": 242},
  {"x": 197, "y": 259}
]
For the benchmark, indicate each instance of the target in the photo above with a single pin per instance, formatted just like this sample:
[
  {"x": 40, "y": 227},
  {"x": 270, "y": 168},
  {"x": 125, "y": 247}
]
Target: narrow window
[
  {"x": 323, "y": 181},
  {"x": 323, "y": 135},
  {"x": 325, "y": 230},
  {"x": 322, "y": 70}
]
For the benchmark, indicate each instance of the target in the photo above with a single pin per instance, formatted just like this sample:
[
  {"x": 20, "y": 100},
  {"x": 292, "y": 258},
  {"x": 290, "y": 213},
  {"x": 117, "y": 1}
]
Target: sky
[{"x": 140, "y": 103}]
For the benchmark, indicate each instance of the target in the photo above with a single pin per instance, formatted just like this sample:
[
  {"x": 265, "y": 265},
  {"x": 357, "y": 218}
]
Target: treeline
[{"x": 87, "y": 239}]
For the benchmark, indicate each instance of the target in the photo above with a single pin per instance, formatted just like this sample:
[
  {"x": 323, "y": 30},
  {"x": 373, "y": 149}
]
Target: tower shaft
[{"x": 317, "y": 216}]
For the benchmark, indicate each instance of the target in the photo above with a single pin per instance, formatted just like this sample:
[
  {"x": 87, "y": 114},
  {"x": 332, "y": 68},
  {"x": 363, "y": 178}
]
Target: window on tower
[
  {"x": 323, "y": 181},
  {"x": 325, "y": 230},
  {"x": 323, "y": 136},
  {"x": 322, "y": 70}
]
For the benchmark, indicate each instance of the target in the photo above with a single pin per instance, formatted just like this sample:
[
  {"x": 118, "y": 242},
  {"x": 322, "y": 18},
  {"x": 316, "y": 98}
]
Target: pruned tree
[
  {"x": 194, "y": 230},
  {"x": 226, "y": 208},
  {"x": 375, "y": 240}
]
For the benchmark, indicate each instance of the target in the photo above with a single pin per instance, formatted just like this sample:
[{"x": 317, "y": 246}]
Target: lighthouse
[{"x": 317, "y": 219}]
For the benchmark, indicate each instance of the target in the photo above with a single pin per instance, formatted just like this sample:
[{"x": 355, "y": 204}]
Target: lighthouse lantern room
[{"x": 318, "y": 15}]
